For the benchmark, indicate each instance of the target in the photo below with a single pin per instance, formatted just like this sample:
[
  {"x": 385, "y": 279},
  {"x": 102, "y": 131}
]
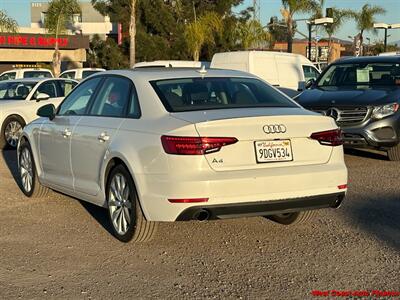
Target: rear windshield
[
  {"x": 380, "y": 74},
  {"x": 37, "y": 74},
  {"x": 191, "y": 94}
]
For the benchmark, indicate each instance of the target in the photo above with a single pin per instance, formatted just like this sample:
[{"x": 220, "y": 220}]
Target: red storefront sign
[{"x": 43, "y": 41}]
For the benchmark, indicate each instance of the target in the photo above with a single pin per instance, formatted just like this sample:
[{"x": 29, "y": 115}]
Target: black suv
[{"x": 363, "y": 95}]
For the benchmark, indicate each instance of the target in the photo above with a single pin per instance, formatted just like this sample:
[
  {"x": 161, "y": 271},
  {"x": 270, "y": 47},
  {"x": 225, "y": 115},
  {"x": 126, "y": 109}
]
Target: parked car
[
  {"x": 79, "y": 74},
  {"x": 363, "y": 96},
  {"x": 20, "y": 100},
  {"x": 286, "y": 71},
  {"x": 26, "y": 73},
  {"x": 184, "y": 144}
]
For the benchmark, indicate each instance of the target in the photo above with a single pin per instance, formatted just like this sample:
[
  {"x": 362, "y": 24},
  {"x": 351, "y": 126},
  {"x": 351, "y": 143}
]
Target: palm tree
[
  {"x": 365, "y": 18},
  {"x": 293, "y": 7},
  {"x": 58, "y": 17},
  {"x": 201, "y": 31},
  {"x": 7, "y": 24},
  {"x": 339, "y": 16},
  {"x": 251, "y": 34},
  {"x": 132, "y": 34}
]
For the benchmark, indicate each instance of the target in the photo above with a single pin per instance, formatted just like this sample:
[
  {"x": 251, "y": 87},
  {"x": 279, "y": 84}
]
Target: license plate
[{"x": 273, "y": 151}]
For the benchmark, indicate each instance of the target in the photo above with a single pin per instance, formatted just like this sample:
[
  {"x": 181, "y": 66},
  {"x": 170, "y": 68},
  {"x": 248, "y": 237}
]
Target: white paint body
[
  {"x": 20, "y": 73},
  {"x": 77, "y": 165},
  {"x": 78, "y": 74}
]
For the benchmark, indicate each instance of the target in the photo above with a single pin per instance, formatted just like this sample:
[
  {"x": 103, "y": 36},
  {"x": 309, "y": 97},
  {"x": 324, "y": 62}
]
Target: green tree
[
  {"x": 251, "y": 34},
  {"x": 106, "y": 54},
  {"x": 277, "y": 30},
  {"x": 7, "y": 24},
  {"x": 290, "y": 9},
  {"x": 365, "y": 18},
  {"x": 58, "y": 17},
  {"x": 202, "y": 31}
]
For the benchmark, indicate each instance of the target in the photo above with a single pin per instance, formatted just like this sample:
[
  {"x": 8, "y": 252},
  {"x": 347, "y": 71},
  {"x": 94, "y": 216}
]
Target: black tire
[
  {"x": 293, "y": 218},
  {"x": 37, "y": 190},
  {"x": 3, "y": 141},
  {"x": 138, "y": 229},
  {"x": 394, "y": 153}
]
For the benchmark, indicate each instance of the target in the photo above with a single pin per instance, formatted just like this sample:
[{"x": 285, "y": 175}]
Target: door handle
[
  {"x": 103, "y": 137},
  {"x": 66, "y": 133}
]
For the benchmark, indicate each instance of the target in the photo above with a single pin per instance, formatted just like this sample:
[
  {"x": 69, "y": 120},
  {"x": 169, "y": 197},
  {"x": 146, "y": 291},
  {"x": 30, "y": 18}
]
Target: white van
[{"x": 289, "y": 72}]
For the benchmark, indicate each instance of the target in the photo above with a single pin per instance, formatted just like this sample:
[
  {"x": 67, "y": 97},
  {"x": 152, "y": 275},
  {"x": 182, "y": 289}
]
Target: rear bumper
[{"x": 263, "y": 208}]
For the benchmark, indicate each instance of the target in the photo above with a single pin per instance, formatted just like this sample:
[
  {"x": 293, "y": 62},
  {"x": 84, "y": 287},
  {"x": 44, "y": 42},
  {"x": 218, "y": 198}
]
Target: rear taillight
[
  {"x": 184, "y": 145},
  {"x": 329, "y": 137}
]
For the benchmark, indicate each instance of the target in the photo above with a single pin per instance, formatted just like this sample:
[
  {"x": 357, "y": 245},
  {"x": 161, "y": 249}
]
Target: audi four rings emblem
[{"x": 275, "y": 128}]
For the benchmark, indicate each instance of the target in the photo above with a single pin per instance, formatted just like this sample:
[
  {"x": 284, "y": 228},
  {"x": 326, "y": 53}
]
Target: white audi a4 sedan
[
  {"x": 20, "y": 100},
  {"x": 169, "y": 144}
]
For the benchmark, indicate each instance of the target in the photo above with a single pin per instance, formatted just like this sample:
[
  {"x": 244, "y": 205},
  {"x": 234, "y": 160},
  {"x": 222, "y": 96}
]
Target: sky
[{"x": 20, "y": 10}]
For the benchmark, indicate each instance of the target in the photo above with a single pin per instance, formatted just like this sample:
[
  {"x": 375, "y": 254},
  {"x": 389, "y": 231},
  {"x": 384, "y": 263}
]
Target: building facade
[
  {"x": 33, "y": 47},
  {"x": 89, "y": 22}
]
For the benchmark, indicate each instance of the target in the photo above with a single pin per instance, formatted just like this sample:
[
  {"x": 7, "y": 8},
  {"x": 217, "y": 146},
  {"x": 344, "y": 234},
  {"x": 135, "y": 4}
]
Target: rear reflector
[
  {"x": 342, "y": 186},
  {"x": 329, "y": 137},
  {"x": 188, "y": 200},
  {"x": 184, "y": 145}
]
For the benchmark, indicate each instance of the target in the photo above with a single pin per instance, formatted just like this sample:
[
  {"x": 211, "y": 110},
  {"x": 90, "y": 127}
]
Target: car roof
[
  {"x": 84, "y": 69},
  {"x": 36, "y": 80},
  {"x": 368, "y": 59},
  {"x": 156, "y": 73}
]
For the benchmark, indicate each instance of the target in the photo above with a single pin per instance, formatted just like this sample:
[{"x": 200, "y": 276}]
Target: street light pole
[{"x": 385, "y": 43}]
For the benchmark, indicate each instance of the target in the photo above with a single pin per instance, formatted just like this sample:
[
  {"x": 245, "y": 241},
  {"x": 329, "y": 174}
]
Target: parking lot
[{"x": 62, "y": 248}]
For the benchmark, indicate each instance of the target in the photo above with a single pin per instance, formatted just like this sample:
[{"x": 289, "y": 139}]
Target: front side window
[
  {"x": 113, "y": 98},
  {"x": 8, "y": 76},
  {"x": 310, "y": 73},
  {"x": 37, "y": 74},
  {"x": 66, "y": 86},
  {"x": 15, "y": 90},
  {"x": 48, "y": 88},
  {"x": 361, "y": 74},
  {"x": 77, "y": 101},
  {"x": 191, "y": 94}
]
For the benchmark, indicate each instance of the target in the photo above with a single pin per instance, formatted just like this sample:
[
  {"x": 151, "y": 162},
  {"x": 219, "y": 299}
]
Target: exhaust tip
[
  {"x": 338, "y": 202},
  {"x": 201, "y": 215}
]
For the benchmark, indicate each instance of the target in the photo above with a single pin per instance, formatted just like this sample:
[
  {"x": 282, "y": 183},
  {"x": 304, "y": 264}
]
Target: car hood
[{"x": 349, "y": 96}]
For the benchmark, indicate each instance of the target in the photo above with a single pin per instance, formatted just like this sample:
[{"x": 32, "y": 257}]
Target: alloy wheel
[
  {"x": 12, "y": 133},
  {"x": 26, "y": 170},
  {"x": 120, "y": 204}
]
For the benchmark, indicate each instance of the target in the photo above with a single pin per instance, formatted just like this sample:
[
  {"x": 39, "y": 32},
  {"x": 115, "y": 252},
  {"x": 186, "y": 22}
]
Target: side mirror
[
  {"x": 47, "y": 111},
  {"x": 310, "y": 83},
  {"x": 302, "y": 86},
  {"x": 42, "y": 96}
]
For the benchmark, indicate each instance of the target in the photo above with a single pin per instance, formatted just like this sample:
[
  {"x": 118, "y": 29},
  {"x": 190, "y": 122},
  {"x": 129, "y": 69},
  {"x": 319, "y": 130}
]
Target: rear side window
[
  {"x": 113, "y": 98},
  {"x": 191, "y": 94},
  {"x": 37, "y": 74}
]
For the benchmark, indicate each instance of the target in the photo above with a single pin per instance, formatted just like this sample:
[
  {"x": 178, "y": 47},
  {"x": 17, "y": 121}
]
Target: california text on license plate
[{"x": 273, "y": 151}]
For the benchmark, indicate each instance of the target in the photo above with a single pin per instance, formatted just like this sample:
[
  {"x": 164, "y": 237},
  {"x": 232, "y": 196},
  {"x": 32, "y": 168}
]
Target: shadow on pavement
[
  {"x": 99, "y": 214},
  {"x": 378, "y": 216},
  {"x": 366, "y": 153},
  {"x": 10, "y": 158}
]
